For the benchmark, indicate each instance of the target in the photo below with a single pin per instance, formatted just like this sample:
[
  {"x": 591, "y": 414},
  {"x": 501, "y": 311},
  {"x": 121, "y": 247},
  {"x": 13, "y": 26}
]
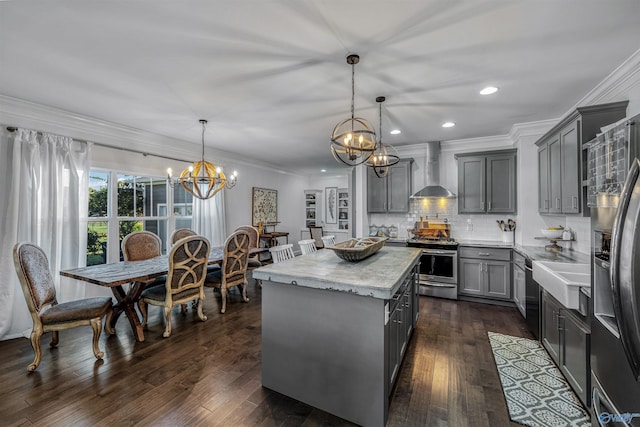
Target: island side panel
[{"x": 326, "y": 349}]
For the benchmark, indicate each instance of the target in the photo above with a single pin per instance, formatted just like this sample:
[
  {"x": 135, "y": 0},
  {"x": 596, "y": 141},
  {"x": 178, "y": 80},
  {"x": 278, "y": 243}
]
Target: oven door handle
[{"x": 438, "y": 252}]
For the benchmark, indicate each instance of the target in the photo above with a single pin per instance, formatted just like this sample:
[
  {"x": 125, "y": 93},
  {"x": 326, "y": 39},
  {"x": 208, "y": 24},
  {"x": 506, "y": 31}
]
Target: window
[{"x": 133, "y": 203}]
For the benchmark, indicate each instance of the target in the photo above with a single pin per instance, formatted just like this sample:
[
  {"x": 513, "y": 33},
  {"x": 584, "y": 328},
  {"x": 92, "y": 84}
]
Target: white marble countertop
[{"x": 378, "y": 276}]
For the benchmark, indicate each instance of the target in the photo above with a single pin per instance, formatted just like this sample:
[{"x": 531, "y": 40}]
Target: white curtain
[
  {"x": 208, "y": 218},
  {"x": 45, "y": 196}
]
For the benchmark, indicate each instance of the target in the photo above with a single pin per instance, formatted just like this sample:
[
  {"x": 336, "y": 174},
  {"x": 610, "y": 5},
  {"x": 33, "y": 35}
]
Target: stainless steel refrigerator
[{"x": 614, "y": 197}]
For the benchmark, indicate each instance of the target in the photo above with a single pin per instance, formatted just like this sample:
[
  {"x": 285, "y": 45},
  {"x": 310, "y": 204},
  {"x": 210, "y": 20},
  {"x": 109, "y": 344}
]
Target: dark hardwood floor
[{"x": 208, "y": 373}]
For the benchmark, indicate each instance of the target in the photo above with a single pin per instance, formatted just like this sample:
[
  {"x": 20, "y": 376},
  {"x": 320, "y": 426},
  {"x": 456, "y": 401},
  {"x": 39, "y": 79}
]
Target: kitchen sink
[{"x": 563, "y": 280}]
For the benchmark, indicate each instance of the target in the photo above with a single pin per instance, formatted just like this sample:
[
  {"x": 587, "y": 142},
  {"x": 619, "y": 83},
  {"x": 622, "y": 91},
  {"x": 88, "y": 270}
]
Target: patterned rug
[{"x": 536, "y": 392}]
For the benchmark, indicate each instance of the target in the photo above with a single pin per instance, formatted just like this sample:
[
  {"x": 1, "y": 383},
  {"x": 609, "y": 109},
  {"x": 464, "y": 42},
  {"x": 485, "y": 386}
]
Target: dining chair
[
  {"x": 185, "y": 282},
  {"x": 47, "y": 314},
  {"x": 316, "y": 234},
  {"x": 328, "y": 240},
  {"x": 181, "y": 233},
  {"x": 233, "y": 271},
  {"x": 307, "y": 246},
  {"x": 281, "y": 253},
  {"x": 254, "y": 241}
]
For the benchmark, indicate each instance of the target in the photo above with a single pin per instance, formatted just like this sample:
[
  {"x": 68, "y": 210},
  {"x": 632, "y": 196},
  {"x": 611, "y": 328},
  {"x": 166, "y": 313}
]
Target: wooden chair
[
  {"x": 316, "y": 234},
  {"x": 328, "y": 240},
  {"x": 185, "y": 282},
  {"x": 181, "y": 233},
  {"x": 47, "y": 314},
  {"x": 282, "y": 253},
  {"x": 141, "y": 245},
  {"x": 254, "y": 241},
  {"x": 307, "y": 246},
  {"x": 233, "y": 271}
]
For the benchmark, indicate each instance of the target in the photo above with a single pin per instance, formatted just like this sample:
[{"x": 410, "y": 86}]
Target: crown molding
[
  {"x": 616, "y": 86},
  {"x": 531, "y": 129},
  {"x": 20, "y": 113}
]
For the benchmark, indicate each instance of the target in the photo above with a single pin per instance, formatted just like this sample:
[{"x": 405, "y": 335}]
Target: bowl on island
[
  {"x": 552, "y": 234},
  {"x": 354, "y": 250}
]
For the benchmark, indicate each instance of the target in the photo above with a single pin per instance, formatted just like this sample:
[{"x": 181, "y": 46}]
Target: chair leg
[
  {"x": 183, "y": 308},
  {"x": 223, "y": 293},
  {"x": 107, "y": 320},
  {"x": 167, "y": 322},
  {"x": 55, "y": 338},
  {"x": 96, "y": 325},
  {"x": 201, "y": 314},
  {"x": 143, "y": 307},
  {"x": 35, "y": 343},
  {"x": 243, "y": 289}
]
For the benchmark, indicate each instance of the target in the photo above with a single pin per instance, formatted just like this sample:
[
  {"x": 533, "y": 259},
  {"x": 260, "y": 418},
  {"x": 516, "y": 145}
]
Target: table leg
[{"x": 126, "y": 303}]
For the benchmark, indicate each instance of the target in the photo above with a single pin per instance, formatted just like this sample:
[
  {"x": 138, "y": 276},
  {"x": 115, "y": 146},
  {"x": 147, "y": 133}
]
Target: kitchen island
[{"x": 334, "y": 332}]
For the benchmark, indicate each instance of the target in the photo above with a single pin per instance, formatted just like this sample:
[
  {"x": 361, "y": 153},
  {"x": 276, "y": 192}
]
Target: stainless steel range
[{"x": 439, "y": 261}]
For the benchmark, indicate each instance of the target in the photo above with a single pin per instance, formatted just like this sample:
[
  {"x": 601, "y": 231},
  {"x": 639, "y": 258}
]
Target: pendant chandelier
[
  {"x": 204, "y": 179},
  {"x": 381, "y": 159},
  {"x": 353, "y": 140}
]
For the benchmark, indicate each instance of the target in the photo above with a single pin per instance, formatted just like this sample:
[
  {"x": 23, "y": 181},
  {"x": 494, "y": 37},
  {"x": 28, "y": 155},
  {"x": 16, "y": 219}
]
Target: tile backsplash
[{"x": 466, "y": 227}]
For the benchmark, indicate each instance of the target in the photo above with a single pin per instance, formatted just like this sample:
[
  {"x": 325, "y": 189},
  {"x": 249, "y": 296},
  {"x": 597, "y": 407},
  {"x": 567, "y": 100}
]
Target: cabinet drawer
[{"x": 485, "y": 253}]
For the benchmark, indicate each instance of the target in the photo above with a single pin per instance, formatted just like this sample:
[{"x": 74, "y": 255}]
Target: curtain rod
[{"x": 100, "y": 144}]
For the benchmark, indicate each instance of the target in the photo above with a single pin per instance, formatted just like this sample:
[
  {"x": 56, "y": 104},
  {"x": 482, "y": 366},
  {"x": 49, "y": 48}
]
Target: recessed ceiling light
[
  {"x": 448, "y": 125},
  {"x": 323, "y": 170},
  {"x": 488, "y": 90},
  {"x": 395, "y": 132}
]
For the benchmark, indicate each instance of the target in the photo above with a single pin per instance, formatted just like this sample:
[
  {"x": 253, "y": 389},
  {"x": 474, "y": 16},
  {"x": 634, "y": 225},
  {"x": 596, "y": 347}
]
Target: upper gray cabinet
[
  {"x": 391, "y": 193},
  {"x": 487, "y": 182},
  {"x": 562, "y": 181}
]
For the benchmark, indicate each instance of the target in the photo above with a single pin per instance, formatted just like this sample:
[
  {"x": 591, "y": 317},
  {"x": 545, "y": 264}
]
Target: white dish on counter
[{"x": 563, "y": 280}]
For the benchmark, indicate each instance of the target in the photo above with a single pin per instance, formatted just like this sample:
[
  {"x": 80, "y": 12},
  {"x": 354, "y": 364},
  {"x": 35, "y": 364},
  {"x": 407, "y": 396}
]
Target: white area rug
[{"x": 536, "y": 392}]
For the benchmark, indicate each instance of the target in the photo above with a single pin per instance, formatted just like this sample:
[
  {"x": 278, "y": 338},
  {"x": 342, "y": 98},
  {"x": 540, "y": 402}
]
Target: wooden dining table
[{"x": 136, "y": 273}]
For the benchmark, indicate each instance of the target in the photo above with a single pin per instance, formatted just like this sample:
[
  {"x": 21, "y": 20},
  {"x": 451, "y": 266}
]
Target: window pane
[
  {"x": 127, "y": 196},
  {"x": 98, "y": 194},
  {"x": 97, "y": 243},
  {"x": 183, "y": 223},
  {"x": 182, "y": 201},
  {"x": 159, "y": 196}
]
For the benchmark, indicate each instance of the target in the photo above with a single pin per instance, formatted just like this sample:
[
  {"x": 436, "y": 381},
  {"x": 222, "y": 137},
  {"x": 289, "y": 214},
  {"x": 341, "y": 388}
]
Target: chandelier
[
  {"x": 380, "y": 160},
  {"x": 353, "y": 140},
  {"x": 204, "y": 179}
]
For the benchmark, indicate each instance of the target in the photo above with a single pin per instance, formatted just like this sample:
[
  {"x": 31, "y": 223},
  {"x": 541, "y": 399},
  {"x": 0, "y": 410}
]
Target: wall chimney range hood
[{"x": 432, "y": 189}]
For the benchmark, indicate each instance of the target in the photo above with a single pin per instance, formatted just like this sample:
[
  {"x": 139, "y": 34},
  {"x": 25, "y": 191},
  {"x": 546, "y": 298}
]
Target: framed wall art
[
  {"x": 264, "y": 206},
  {"x": 331, "y": 205}
]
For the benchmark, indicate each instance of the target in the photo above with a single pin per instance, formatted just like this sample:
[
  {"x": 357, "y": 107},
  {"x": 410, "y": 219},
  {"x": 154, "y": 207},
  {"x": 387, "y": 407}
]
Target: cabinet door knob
[{"x": 557, "y": 202}]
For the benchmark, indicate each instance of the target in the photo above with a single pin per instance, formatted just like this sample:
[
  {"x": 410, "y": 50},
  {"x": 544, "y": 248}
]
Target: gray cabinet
[
  {"x": 562, "y": 183},
  {"x": 403, "y": 310},
  {"x": 485, "y": 272},
  {"x": 549, "y": 325},
  {"x": 566, "y": 337},
  {"x": 391, "y": 193},
  {"x": 519, "y": 283},
  {"x": 487, "y": 182},
  {"x": 574, "y": 354}
]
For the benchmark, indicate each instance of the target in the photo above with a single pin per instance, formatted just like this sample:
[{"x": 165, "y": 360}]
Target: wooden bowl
[{"x": 354, "y": 250}]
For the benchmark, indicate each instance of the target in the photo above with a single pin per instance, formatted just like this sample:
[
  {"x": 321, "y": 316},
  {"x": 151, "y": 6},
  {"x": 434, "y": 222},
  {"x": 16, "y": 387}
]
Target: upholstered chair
[
  {"x": 254, "y": 241},
  {"x": 233, "y": 271},
  {"x": 281, "y": 253},
  {"x": 181, "y": 233},
  {"x": 141, "y": 245},
  {"x": 307, "y": 246},
  {"x": 316, "y": 234},
  {"x": 187, "y": 271},
  {"x": 48, "y": 315}
]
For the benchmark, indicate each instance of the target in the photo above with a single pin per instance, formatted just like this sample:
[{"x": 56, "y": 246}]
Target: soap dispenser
[{"x": 566, "y": 234}]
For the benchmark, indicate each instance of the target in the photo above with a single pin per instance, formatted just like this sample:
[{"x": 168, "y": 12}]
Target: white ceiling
[{"x": 271, "y": 76}]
